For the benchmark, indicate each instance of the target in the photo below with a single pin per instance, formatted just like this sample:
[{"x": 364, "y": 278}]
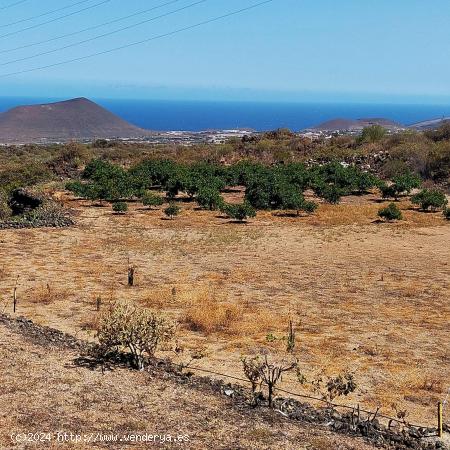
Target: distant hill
[
  {"x": 355, "y": 125},
  {"x": 432, "y": 124},
  {"x": 79, "y": 118}
]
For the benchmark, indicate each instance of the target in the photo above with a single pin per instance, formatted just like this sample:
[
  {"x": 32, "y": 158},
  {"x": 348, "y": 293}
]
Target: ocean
[{"x": 198, "y": 116}]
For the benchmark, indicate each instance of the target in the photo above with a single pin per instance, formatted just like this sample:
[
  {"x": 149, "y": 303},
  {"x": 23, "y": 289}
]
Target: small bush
[
  {"x": 252, "y": 371},
  {"x": 341, "y": 385},
  {"x": 120, "y": 207},
  {"x": 430, "y": 199},
  {"x": 240, "y": 212},
  {"x": 172, "y": 211},
  {"x": 141, "y": 331},
  {"x": 309, "y": 206},
  {"x": 389, "y": 191},
  {"x": 391, "y": 212},
  {"x": 150, "y": 199},
  {"x": 372, "y": 133}
]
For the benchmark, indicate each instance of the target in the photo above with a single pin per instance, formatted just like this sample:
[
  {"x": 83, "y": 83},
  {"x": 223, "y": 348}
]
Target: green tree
[
  {"x": 430, "y": 199},
  {"x": 329, "y": 192},
  {"x": 259, "y": 193},
  {"x": 406, "y": 182},
  {"x": 209, "y": 198}
]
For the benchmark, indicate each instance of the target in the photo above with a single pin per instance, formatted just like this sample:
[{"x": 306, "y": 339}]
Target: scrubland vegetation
[{"x": 313, "y": 293}]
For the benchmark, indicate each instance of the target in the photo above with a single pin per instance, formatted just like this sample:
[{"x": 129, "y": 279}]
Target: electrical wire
[
  {"x": 144, "y": 41},
  {"x": 43, "y": 14},
  {"x": 89, "y": 28},
  {"x": 110, "y": 33},
  {"x": 32, "y": 27},
  {"x": 12, "y": 4}
]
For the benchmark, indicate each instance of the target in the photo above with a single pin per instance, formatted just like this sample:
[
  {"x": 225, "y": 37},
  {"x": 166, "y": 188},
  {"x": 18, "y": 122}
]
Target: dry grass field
[
  {"x": 136, "y": 404},
  {"x": 367, "y": 297}
]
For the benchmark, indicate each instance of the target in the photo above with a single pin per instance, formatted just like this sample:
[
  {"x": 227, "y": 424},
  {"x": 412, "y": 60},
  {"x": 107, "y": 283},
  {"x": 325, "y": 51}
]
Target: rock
[
  {"x": 229, "y": 392},
  {"x": 22, "y": 201}
]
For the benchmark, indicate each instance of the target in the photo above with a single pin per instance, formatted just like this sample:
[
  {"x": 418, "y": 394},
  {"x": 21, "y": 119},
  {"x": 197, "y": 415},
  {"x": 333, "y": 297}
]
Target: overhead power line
[
  {"x": 12, "y": 4},
  {"x": 94, "y": 27},
  {"x": 32, "y": 27},
  {"x": 133, "y": 44},
  {"x": 43, "y": 14},
  {"x": 110, "y": 33}
]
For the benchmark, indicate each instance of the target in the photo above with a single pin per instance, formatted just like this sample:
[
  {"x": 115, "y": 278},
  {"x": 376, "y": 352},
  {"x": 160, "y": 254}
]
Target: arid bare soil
[
  {"x": 366, "y": 297},
  {"x": 43, "y": 392}
]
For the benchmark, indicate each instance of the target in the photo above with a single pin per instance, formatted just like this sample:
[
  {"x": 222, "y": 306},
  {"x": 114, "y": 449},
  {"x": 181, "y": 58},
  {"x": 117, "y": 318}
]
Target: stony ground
[{"x": 366, "y": 297}]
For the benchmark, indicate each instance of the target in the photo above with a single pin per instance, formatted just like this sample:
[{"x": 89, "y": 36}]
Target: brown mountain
[{"x": 79, "y": 118}]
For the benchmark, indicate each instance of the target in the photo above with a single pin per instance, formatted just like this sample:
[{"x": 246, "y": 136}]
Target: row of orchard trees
[{"x": 279, "y": 187}]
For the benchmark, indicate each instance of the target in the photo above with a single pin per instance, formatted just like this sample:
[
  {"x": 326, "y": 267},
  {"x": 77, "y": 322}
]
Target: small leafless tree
[{"x": 272, "y": 372}]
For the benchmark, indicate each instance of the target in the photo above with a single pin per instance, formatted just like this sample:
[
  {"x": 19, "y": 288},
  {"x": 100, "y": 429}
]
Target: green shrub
[
  {"x": 406, "y": 182},
  {"x": 391, "y": 212},
  {"x": 150, "y": 199},
  {"x": 372, "y": 133},
  {"x": 309, "y": 206},
  {"x": 23, "y": 175},
  {"x": 401, "y": 185},
  {"x": 389, "y": 191},
  {"x": 240, "y": 212},
  {"x": 77, "y": 187},
  {"x": 430, "y": 199},
  {"x": 172, "y": 210},
  {"x": 120, "y": 207},
  {"x": 329, "y": 192}
]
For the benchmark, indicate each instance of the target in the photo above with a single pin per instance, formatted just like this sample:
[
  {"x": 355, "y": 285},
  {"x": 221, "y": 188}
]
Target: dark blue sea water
[{"x": 198, "y": 116}]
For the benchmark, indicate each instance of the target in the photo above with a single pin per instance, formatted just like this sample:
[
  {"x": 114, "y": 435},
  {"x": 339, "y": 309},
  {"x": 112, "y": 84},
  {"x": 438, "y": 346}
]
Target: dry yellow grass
[
  {"x": 45, "y": 294},
  {"x": 207, "y": 314},
  {"x": 367, "y": 297}
]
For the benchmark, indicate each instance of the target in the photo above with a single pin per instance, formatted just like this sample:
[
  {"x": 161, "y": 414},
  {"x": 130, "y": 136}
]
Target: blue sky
[{"x": 291, "y": 50}]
